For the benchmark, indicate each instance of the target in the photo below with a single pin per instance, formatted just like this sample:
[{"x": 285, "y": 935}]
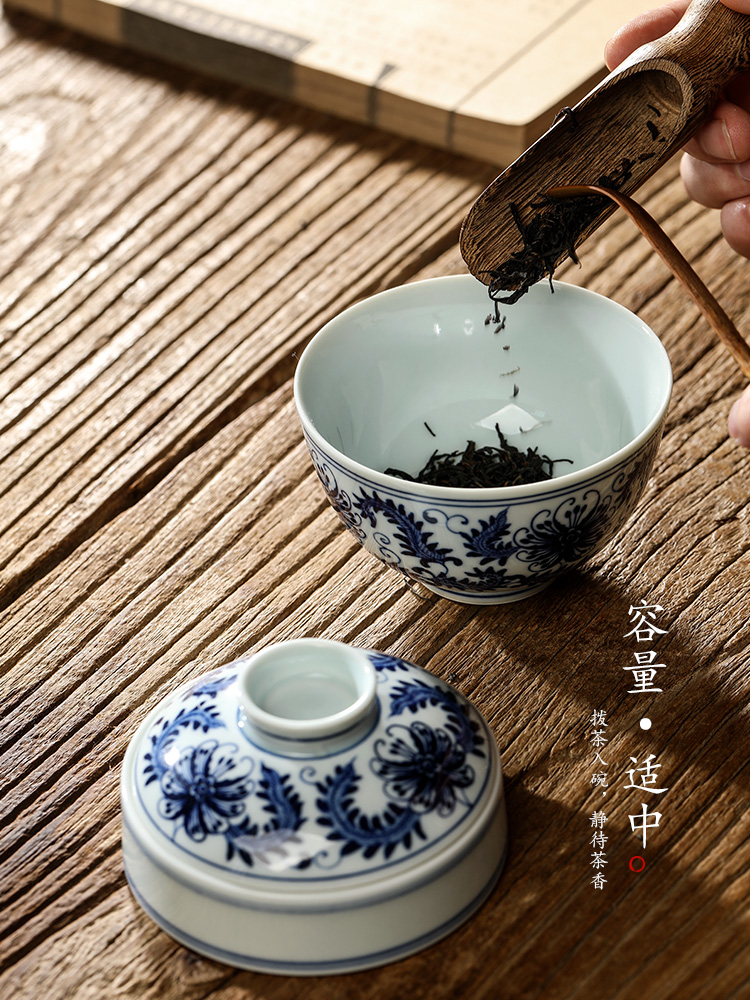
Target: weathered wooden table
[{"x": 168, "y": 246}]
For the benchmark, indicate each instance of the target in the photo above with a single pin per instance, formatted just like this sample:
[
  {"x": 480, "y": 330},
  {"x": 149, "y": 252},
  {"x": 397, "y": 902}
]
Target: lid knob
[{"x": 306, "y": 696}]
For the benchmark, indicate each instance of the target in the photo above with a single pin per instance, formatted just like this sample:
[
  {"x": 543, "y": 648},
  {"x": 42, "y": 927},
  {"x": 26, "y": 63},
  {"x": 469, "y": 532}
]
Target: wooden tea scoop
[
  {"x": 615, "y": 138},
  {"x": 722, "y": 325}
]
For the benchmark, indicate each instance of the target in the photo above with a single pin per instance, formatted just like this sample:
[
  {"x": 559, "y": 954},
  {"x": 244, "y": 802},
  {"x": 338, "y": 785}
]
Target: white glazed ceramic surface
[
  {"x": 313, "y": 809},
  {"x": 571, "y": 374}
]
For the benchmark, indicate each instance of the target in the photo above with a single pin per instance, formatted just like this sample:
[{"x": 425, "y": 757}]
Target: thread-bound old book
[{"x": 480, "y": 77}]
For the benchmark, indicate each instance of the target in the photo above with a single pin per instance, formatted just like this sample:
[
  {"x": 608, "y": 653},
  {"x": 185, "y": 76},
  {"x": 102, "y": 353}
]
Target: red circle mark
[{"x": 637, "y": 857}]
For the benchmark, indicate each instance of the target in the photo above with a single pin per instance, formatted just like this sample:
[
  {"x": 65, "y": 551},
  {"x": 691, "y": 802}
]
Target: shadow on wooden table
[{"x": 546, "y": 931}]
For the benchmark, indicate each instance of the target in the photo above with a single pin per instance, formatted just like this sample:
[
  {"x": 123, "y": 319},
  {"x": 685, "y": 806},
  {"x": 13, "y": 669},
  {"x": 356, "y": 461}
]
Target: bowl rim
[{"x": 480, "y": 494}]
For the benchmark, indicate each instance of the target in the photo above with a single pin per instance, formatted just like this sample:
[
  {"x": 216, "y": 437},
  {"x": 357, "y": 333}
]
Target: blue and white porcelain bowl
[
  {"x": 313, "y": 809},
  {"x": 427, "y": 367}
]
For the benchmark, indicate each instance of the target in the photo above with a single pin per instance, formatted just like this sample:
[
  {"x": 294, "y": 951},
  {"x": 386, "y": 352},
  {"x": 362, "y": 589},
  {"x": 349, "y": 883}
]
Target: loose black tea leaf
[
  {"x": 483, "y": 468},
  {"x": 568, "y": 113},
  {"x": 549, "y": 236}
]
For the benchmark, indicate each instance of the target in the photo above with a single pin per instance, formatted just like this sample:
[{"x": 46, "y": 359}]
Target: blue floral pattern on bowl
[{"x": 485, "y": 550}]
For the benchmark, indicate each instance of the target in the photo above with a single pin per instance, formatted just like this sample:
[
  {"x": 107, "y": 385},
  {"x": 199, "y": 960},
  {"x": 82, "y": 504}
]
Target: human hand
[{"x": 715, "y": 167}]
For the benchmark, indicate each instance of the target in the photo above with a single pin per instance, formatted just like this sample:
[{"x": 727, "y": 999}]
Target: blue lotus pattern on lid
[{"x": 411, "y": 782}]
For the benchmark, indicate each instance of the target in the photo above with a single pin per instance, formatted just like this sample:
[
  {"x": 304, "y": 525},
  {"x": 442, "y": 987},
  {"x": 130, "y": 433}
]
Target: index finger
[{"x": 647, "y": 27}]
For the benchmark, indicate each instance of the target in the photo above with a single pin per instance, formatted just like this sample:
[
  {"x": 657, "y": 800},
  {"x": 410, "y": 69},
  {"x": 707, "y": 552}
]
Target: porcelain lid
[{"x": 309, "y": 766}]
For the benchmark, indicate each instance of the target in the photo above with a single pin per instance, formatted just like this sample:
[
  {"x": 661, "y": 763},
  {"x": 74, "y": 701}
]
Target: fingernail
[
  {"x": 728, "y": 140},
  {"x": 743, "y": 169}
]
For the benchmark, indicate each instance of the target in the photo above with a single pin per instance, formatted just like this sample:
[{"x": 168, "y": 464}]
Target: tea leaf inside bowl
[{"x": 483, "y": 468}]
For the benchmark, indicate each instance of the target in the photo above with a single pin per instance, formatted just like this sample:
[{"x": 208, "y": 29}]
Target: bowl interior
[{"x": 417, "y": 369}]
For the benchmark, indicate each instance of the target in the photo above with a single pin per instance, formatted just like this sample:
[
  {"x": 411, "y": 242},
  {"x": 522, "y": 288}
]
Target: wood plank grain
[
  {"x": 89, "y": 775},
  {"x": 173, "y": 522},
  {"x": 218, "y": 319}
]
